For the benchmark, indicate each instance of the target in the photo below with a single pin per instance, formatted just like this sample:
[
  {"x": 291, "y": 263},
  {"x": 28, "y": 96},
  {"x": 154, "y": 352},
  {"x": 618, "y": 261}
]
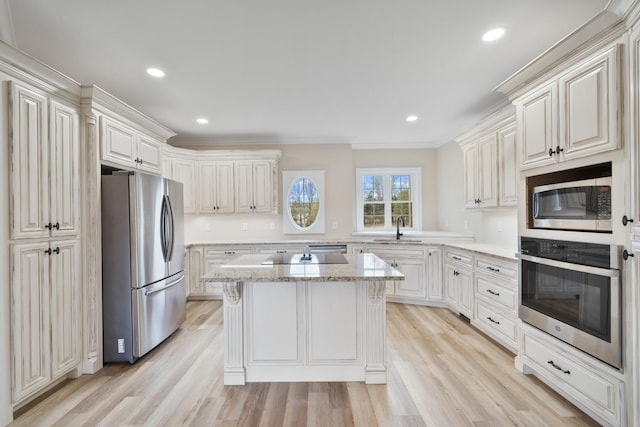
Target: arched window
[{"x": 303, "y": 202}]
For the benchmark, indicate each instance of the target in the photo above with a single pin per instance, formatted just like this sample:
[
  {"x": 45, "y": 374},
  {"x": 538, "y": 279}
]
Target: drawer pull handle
[
  {"x": 493, "y": 269},
  {"x": 281, "y": 252},
  {"x": 456, "y": 257},
  {"x": 229, "y": 252},
  {"x": 493, "y": 321},
  {"x": 493, "y": 293},
  {"x": 568, "y": 372}
]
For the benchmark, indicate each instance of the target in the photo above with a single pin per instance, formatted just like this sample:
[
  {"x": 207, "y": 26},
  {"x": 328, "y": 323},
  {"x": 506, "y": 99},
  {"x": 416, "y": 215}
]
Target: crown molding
[{"x": 253, "y": 140}]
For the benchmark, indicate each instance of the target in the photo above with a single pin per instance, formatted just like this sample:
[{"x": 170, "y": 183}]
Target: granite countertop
[
  {"x": 486, "y": 249},
  {"x": 249, "y": 268}
]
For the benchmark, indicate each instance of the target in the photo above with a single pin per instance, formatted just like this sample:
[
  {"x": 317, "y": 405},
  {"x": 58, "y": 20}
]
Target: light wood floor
[{"x": 441, "y": 372}]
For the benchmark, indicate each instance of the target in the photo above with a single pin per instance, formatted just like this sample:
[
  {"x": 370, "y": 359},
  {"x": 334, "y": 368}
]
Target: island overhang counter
[{"x": 304, "y": 319}]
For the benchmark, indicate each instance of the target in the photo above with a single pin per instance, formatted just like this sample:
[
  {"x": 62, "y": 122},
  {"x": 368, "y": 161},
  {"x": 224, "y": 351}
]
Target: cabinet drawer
[
  {"x": 229, "y": 253},
  {"x": 505, "y": 269},
  {"x": 281, "y": 250},
  {"x": 497, "y": 321},
  {"x": 486, "y": 287},
  {"x": 594, "y": 390},
  {"x": 456, "y": 257}
]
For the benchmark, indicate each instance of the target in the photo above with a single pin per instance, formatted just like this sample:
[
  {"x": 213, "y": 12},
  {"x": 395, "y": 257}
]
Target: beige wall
[{"x": 425, "y": 158}]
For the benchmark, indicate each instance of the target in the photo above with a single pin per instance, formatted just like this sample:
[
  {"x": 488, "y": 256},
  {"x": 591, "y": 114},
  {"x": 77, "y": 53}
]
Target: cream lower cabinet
[
  {"x": 45, "y": 314},
  {"x": 496, "y": 298},
  {"x": 411, "y": 263},
  {"x": 212, "y": 257},
  {"x": 458, "y": 282},
  {"x": 591, "y": 385}
]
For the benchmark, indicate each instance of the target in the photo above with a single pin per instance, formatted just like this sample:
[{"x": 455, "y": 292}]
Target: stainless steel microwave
[{"x": 577, "y": 205}]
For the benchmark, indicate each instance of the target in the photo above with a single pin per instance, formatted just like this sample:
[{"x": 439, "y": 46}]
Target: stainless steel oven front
[{"x": 572, "y": 290}]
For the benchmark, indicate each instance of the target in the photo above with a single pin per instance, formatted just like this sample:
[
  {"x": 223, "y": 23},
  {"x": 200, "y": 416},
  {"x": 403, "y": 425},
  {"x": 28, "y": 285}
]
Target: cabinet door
[
  {"x": 465, "y": 289},
  {"x": 29, "y": 167},
  {"x": 65, "y": 169},
  {"x": 184, "y": 171},
  {"x": 262, "y": 187},
  {"x": 470, "y": 157},
  {"x": 508, "y": 167},
  {"x": 434, "y": 274},
  {"x": 224, "y": 187},
  {"x": 451, "y": 287},
  {"x": 149, "y": 154},
  {"x": 65, "y": 307},
  {"x": 413, "y": 285},
  {"x": 30, "y": 318},
  {"x": 206, "y": 187},
  {"x": 536, "y": 116},
  {"x": 118, "y": 143},
  {"x": 195, "y": 271},
  {"x": 488, "y": 171},
  {"x": 589, "y": 106},
  {"x": 243, "y": 177}
]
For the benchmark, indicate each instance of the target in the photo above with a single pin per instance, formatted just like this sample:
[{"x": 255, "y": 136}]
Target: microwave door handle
[{"x": 570, "y": 266}]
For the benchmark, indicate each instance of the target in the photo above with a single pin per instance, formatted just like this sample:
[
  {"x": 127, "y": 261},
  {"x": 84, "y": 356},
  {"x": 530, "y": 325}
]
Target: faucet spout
[{"x": 399, "y": 219}]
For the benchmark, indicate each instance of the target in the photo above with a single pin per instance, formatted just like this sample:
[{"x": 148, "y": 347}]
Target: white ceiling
[{"x": 299, "y": 71}]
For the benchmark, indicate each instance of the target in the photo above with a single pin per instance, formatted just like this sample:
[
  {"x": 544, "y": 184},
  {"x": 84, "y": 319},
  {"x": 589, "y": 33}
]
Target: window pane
[
  {"x": 373, "y": 215},
  {"x": 405, "y": 209},
  {"x": 373, "y": 188},
  {"x": 303, "y": 202},
  {"x": 400, "y": 187}
]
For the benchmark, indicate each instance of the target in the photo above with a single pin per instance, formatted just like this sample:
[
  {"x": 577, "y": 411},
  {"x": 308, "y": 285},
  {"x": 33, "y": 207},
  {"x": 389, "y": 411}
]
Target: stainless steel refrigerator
[{"x": 143, "y": 286}]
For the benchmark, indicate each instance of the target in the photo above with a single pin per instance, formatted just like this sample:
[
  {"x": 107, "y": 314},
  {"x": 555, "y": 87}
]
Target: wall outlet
[
  {"x": 207, "y": 226},
  {"x": 272, "y": 226},
  {"x": 499, "y": 226},
  {"x": 120, "y": 345},
  {"x": 334, "y": 225},
  {"x": 446, "y": 223},
  {"x": 466, "y": 224},
  {"x": 244, "y": 226}
]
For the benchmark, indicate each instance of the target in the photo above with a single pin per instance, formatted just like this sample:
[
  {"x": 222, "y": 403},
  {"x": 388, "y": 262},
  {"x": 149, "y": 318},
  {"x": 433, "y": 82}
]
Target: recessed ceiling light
[
  {"x": 492, "y": 35},
  {"x": 155, "y": 72},
  {"x": 202, "y": 120},
  {"x": 412, "y": 118}
]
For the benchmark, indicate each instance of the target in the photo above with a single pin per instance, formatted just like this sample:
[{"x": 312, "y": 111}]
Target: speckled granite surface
[{"x": 249, "y": 268}]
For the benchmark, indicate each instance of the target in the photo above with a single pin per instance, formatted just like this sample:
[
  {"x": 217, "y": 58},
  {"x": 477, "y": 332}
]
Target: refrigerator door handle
[
  {"x": 171, "y": 224},
  {"x": 170, "y": 285},
  {"x": 163, "y": 228}
]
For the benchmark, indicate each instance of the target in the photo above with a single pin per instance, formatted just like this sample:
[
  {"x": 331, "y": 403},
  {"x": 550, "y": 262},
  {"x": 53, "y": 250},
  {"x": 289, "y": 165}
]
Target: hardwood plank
[{"x": 441, "y": 371}]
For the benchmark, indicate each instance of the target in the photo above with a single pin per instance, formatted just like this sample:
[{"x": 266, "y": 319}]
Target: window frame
[
  {"x": 416, "y": 197},
  {"x": 289, "y": 226}
]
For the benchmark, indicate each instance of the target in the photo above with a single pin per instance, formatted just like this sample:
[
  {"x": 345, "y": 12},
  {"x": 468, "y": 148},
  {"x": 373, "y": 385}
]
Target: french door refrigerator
[{"x": 143, "y": 287}]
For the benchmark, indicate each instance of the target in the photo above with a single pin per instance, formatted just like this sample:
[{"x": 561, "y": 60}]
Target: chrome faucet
[{"x": 398, "y": 219}]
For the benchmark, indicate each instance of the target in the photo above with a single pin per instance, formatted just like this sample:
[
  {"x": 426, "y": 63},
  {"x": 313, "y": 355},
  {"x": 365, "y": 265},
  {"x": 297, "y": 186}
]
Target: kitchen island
[{"x": 304, "y": 318}]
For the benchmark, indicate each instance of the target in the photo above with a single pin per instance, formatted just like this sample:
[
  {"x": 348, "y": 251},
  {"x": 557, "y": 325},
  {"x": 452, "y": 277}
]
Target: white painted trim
[{"x": 288, "y": 179}]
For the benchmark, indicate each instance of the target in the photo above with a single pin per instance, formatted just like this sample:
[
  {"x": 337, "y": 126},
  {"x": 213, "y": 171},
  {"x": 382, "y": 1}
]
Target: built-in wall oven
[{"x": 572, "y": 291}]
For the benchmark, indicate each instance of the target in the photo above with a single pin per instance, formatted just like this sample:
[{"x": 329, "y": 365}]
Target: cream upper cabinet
[
  {"x": 489, "y": 163},
  {"x": 254, "y": 186},
  {"x": 45, "y": 291},
  {"x": 536, "y": 123},
  {"x": 216, "y": 187},
  {"x": 574, "y": 115},
  {"x": 184, "y": 171},
  {"x": 124, "y": 146},
  {"x": 44, "y": 166},
  {"x": 507, "y": 167}
]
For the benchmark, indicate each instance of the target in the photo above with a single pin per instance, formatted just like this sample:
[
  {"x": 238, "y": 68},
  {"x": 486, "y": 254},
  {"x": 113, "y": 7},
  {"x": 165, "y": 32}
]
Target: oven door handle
[{"x": 570, "y": 266}]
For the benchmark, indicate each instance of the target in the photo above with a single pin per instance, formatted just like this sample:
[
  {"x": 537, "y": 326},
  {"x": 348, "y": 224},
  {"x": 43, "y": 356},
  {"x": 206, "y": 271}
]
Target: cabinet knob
[
  {"x": 48, "y": 251},
  {"x": 57, "y": 226},
  {"x": 48, "y": 226},
  {"x": 626, "y": 255},
  {"x": 56, "y": 250},
  {"x": 626, "y": 220},
  {"x": 551, "y": 152}
]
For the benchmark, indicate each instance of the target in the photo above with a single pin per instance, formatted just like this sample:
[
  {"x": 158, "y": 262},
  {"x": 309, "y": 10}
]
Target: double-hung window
[{"x": 385, "y": 194}]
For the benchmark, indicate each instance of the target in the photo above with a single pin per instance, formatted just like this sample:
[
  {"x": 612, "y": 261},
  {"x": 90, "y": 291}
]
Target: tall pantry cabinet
[{"x": 44, "y": 223}]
